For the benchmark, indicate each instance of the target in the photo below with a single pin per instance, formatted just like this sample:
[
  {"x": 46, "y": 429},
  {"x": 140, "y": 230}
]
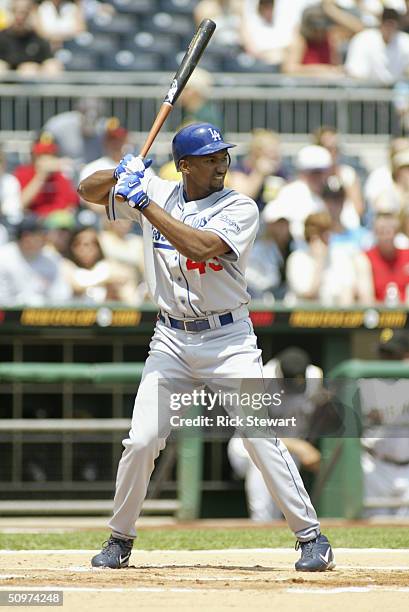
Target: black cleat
[
  {"x": 114, "y": 554},
  {"x": 316, "y": 555}
]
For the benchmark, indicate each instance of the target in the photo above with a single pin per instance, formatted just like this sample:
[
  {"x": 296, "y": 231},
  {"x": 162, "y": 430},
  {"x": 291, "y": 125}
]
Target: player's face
[{"x": 206, "y": 173}]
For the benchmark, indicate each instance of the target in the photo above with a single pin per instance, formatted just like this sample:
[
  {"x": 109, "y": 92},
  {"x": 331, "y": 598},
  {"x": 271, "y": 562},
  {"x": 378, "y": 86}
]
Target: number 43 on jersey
[{"x": 214, "y": 264}]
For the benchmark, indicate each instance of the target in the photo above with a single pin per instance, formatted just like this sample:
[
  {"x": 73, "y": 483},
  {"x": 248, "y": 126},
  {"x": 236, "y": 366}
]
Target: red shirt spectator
[
  {"x": 44, "y": 187},
  {"x": 318, "y": 52},
  {"x": 389, "y": 265},
  {"x": 386, "y": 271}
]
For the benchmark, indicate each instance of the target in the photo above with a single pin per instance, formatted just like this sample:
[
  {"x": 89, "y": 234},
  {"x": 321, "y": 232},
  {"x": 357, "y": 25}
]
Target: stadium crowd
[
  {"x": 361, "y": 39},
  {"x": 329, "y": 231}
]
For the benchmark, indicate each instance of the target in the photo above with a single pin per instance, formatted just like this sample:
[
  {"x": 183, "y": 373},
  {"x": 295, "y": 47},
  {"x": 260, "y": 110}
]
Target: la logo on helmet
[{"x": 214, "y": 134}]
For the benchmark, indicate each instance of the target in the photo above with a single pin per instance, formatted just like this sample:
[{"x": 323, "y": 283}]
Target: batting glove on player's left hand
[
  {"x": 130, "y": 164},
  {"x": 129, "y": 187}
]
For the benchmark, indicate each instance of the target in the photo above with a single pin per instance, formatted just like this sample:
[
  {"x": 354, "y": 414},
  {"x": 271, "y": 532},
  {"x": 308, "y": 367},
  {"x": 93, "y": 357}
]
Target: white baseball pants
[{"x": 226, "y": 352}]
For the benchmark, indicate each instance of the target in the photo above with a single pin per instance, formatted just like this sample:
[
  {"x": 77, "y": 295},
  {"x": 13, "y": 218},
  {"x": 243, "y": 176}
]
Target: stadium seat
[
  {"x": 114, "y": 24},
  {"x": 125, "y": 60},
  {"x": 137, "y": 7},
  {"x": 242, "y": 62},
  {"x": 166, "y": 22},
  {"x": 183, "y": 7},
  {"x": 77, "y": 59},
  {"x": 88, "y": 42},
  {"x": 146, "y": 41}
]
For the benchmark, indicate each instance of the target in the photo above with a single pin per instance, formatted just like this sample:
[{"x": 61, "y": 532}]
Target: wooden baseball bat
[{"x": 189, "y": 62}]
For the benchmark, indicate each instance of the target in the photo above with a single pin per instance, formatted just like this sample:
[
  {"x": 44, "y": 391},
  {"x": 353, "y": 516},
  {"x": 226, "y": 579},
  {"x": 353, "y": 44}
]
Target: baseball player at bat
[{"x": 197, "y": 238}]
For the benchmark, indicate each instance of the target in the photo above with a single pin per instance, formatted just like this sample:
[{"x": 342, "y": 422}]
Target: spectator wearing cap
[
  {"x": 115, "y": 143},
  {"x": 79, "y": 133},
  {"x": 388, "y": 272},
  {"x": 265, "y": 273},
  {"x": 355, "y": 239},
  {"x": 328, "y": 137},
  {"x": 316, "y": 273},
  {"x": 392, "y": 198},
  {"x": 303, "y": 196},
  {"x": 59, "y": 226},
  {"x": 385, "y": 447},
  {"x": 29, "y": 275},
  {"x": 380, "y": 180},
  {"x": 380, "y": 54},
  {"x": 261, "y": 173},
  {"x": 44, "y": 187},
  {"x": 21, "y": 48},
  {"x": 302, "y": 380}
]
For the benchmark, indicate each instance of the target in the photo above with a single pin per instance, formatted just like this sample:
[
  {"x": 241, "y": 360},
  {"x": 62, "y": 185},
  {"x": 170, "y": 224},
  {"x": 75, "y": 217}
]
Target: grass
[{"x": 213, "y": 538}]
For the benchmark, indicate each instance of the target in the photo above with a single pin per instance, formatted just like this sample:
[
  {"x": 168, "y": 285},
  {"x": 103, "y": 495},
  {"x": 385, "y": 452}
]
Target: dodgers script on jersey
[{"x": 180, "y": 286}]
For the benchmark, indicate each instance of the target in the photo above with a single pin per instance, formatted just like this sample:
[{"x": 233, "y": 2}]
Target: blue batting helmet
[{"x": 197, "y": 139}]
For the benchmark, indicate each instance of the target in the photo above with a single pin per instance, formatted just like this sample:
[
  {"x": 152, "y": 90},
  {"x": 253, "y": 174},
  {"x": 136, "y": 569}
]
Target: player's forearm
[
  {"x": 190, "y": 242},
  {"x": 96, "y": 187}
]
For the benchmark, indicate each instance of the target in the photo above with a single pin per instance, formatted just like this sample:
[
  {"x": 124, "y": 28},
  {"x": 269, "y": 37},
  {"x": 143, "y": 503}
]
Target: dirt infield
[{"x": 364, "y": 580}]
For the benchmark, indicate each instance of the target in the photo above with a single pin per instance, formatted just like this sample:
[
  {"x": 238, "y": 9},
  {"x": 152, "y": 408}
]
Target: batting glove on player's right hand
[
  {"x": 130, "y": 164},
  {"x": 129, "y": 187}
]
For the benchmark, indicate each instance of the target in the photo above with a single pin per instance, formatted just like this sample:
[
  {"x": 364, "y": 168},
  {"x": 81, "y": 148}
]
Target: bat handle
[{"x": 162, "y": 115}]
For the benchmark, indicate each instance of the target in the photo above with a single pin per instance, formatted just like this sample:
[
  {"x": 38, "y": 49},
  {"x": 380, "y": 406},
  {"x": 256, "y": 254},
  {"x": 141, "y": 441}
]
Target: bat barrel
[{"x": 197, "y": 45}]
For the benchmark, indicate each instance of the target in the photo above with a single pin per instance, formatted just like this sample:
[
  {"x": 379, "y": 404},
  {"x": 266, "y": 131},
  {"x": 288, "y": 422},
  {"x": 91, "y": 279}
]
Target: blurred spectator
[
  {"x": 11, "y": 210},
  {"x": 261, "y": 35},
  {"x": 59, "y": 20},
  {"x": 328, "y": 138},
  {"x": 389, "y": 266},
  {"x": 28, "y": 273},
  {"x": 59, "y": 226},
  {"x": 402, "y": 238},
  {"x": 385, "y": 447},
  {"x": 312, "y": 51},
  {"x": 396, "y": 196},
  {"x": 79, "y": 133},
  {"x": 303, "y": 197},
  {"x": 22, "y": 49},
  {"x": 226, "y": 15},
  {"x": 4, "y": 14},
  {"x": 292, "y": 364},
  {"x": 266, "y": 267},
  {"x": 381, "y": 180},
  {"x": 94, "y": 278},
  {"x": 330, "y": 276},
  {"x": 261, "y": 173},
  {"x": 114, "y": 145},
  {"x": 195, "y": 99},
  {"x": 44, "y": 187},
  {"x": 350, "y": 239},
  {"x": 380, "y": 54}
]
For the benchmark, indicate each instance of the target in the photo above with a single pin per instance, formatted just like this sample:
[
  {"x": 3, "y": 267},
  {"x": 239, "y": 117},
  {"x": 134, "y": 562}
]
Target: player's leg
[
  {"x": 147, "y": 437},
  {"x": 238, "y": 357}
]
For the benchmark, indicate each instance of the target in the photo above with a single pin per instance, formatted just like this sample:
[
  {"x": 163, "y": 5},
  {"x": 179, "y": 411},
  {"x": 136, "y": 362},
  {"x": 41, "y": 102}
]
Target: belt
[{"x": 196, "y": 325}]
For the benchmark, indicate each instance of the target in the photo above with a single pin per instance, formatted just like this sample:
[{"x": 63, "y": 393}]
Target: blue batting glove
[
  {"x": 131, "y": 164},
  {"x": 129, "y": 187}
]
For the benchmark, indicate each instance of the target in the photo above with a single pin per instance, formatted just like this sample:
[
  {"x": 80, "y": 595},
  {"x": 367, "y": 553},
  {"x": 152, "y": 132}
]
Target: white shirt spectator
[
  {"x": 10, "y": 198},
  {"x": 369, "y": 57},
  {"x": 299, "y": 201},
  {"x": 34, "y": 282}
]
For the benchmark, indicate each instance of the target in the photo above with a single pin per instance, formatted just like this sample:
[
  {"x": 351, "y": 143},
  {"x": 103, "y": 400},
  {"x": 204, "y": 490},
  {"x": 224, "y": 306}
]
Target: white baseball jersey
[{"x": 178, "y": 285}]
